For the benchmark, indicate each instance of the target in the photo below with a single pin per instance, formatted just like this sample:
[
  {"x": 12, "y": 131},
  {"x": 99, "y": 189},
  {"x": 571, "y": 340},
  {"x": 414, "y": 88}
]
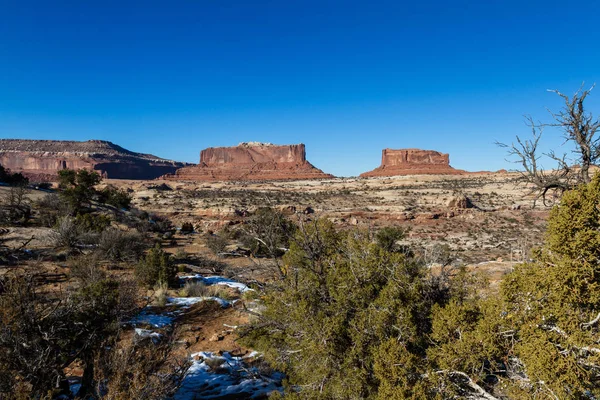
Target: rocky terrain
[
  {"x": 251, "y": 161},
  {"x": 42, "y": 159},
  {"x": 480, "y": 217},
  {"x": 412, "y": 162}
]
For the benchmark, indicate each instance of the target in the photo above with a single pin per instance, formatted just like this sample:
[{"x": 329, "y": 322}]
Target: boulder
[{"x": 462, "y": 202}]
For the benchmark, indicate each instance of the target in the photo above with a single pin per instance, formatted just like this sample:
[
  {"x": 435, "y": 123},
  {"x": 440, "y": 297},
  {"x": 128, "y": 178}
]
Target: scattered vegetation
[{"x": 156, "y": 268}]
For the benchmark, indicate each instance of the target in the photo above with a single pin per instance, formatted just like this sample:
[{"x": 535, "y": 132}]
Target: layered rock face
[
  {"x": 42, "y": 159},
  {"x": 251, "y": 161},
  {"x": 412, "y": 162}
]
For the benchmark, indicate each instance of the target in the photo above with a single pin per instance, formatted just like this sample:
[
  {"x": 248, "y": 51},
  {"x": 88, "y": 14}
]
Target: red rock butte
[
  {"x": 251, "y": 161},
  {"x": 412, "y": 162},
  {"x": 42, "y": 159}
]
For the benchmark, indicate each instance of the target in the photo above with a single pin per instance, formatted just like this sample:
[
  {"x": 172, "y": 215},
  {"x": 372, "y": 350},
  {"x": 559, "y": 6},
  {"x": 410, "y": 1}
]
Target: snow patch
[
  {"x": 189, "y": 301},
  {"x": 234, "y": 377},
  {"x": 155, "y": 320},
  {"x": 217, "y": 280}
]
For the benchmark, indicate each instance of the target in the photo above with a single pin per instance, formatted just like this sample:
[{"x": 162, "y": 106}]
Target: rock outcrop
[
  {"x": 412, "y": 162},
  {"x": 251, "y": 161},
  {"x": 42, "y": 159}
]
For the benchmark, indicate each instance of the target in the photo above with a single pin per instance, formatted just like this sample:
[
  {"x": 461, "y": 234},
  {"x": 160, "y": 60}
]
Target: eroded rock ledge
[
  {"x": 42, "y": 159},
  {"x": 412, "y": 162},
  {"x": 251, "y": 161}
]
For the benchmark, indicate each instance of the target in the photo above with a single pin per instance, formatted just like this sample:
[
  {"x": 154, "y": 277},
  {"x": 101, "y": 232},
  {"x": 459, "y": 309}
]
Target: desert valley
[{"x": 205, "y": 216}]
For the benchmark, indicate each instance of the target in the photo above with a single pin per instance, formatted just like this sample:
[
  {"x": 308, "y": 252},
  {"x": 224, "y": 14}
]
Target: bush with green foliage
[
  {"x": 12, "y": 179},
  {"x": 78, "y": 187},
  {"x": 92, "y": 222},
  {"x": 156, "y": 268},
  {"x": 267, "y": 233},
  {"x": 540, "y": 335},
  {"x": 387, "y": 237},
  {"x": 41, "y": 335},
  {"x": 343, "y": 303},
  {"x": 115, "y": 197}
]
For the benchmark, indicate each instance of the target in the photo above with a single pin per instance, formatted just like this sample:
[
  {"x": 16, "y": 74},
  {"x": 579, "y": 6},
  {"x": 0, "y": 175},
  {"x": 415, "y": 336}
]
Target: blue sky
[{"x": 347, "y": 78}]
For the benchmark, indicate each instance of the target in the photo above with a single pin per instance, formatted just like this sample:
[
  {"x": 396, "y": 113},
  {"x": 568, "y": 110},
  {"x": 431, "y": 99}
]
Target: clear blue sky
[{"x": 347, "y": 78}]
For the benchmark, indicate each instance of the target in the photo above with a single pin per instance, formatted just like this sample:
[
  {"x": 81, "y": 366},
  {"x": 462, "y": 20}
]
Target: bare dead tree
[{"x": 579, "y": 128}]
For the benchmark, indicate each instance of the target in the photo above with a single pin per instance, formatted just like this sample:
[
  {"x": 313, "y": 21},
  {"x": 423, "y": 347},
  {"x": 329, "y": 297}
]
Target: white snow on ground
[
  {"x": 233, "y": 377},
  {"x": 155, "y": 320},
  {"x": 188, "y": 301},
  {"x": 217, "y": 280},
  {"x": 145, "y": 333}
]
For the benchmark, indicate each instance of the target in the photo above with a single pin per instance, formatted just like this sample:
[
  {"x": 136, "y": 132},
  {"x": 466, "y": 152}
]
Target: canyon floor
[
  {"x": 499, "y": 224},
  {"x": 484, "y": 221}
]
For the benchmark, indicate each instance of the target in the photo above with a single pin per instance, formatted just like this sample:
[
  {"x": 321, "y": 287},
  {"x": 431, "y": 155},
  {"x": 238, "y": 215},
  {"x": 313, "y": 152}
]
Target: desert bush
[
  {"x": 160, "y": 224},
  {"x": 77, "y": 187},
  {"x": 86, "y": 268},
  {"x": 181, "y": 254},
  {"x": 57, "y": 330},
  {"x": 141, "y": 370},
  {"x": 13, "y": 179},
  {"x": 267, "y": 233},
  {"x": 159, "y": 296},
  {"x": 216, "y": 243},
  {"x": 187, "y": 227},
  {"x": 155, "y": 268},
  {"x": 15, "y": 206},
  {"x": 117, "y": 245},
  {"x": 387, "y": 237},
  {"x": 92, "y": 222},
  {"x": 115, "y": 197},
  {"x": 52, "y": 207},
  {"x": 341, "y": 301},
  {"x": 65, "y": 233},
  {"x": 194, "y": 289}
]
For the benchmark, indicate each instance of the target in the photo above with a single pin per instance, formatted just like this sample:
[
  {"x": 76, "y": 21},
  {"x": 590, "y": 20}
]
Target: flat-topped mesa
[
  {"x": 42, "y": 159},
  {"x": 412, "y": 162},
  {"x": 251, "y": 161}
]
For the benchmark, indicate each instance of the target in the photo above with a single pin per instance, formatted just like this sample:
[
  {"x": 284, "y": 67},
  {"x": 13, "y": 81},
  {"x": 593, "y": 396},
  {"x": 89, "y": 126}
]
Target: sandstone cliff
[
  {"x": 251, "y": 161},
  {"x": 42, "y": 159},
  {"x": 412, "y": 162}
]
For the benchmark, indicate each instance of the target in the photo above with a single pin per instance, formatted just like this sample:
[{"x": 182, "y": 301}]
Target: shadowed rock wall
[{"x": 42, "y": 159}]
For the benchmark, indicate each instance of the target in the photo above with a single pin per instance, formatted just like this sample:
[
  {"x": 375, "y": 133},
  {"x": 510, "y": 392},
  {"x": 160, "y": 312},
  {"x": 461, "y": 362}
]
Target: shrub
[
  {"x": 160, "y": 224},
  {"x": 156, "y": 268},
  {"x": 267, "y": 233},
  {"x": 181, "y": 254},
  {"x": 78, "y": 186},
  {"x": 115, "y": 197},
  {"x": 86, "y": 269},
  {"x": 91, "y": 222},
  {"x": 118, "y": 245},
  {"x": 342, "y": 299},
  {"x": 216, "y": 243},
  {"x": 65, "y": 233},
  {"x": 387, "y": 237},
  {"x": 194, "y": 289},
  {"x": 16, "y": 179},
  {"x": 52, "y": 207},
  {"x": 187, "y": 227},
  {"x": 160, "y": 294}
]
